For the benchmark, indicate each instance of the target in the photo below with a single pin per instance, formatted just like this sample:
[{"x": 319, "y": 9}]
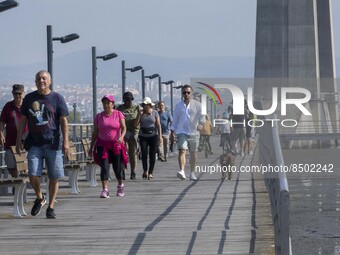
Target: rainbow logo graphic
[{"x": 211, "y": 92}]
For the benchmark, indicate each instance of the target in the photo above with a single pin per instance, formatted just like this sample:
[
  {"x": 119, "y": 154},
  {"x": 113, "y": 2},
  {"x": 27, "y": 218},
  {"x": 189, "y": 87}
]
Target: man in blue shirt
[
  {"x": 45, "y": 113},
  {"x": 166, "y": 120}
]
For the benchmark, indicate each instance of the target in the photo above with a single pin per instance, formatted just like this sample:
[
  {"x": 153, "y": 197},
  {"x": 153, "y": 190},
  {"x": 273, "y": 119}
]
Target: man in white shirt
[{"x": 187, "y": 121}]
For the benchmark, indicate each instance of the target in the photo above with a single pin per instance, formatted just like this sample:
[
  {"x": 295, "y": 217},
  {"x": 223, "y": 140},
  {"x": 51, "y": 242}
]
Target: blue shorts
[
  {"x": 53, "y": 159},
  {"x": 187, "y": 142}
]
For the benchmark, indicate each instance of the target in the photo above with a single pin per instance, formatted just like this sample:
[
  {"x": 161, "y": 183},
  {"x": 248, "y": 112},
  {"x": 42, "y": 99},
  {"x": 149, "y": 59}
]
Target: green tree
[{"x": 70, "y": 118}]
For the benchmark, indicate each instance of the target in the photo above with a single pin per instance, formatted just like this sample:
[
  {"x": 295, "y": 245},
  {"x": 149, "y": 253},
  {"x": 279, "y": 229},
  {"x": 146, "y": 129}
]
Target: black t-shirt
[{"x": 43, "y": 113}]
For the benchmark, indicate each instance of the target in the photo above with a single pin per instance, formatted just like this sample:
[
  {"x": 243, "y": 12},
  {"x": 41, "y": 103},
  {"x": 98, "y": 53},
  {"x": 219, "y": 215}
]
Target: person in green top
[{"x": 130, "y": 111}]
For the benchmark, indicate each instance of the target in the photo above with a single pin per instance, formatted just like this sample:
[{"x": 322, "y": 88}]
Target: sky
[{"x": 168, "y": 28}]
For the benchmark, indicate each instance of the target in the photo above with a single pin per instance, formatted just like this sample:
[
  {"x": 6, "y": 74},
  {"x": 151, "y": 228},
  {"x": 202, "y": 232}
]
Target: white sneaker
[
  {"x": 181, "y": 175},
  {"x": 193, "y": 176}
]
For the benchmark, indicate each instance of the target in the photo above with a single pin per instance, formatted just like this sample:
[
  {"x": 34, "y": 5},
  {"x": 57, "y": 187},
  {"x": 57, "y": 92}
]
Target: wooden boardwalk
[{"x": 163, "y": 216}]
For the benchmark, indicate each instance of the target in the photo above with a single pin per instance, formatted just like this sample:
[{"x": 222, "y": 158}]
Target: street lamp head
[
  {"x": 6, "y": 5},
  {"x": 168, "y": 82},
  {"x": 153, "y": 76},
  {"x": 110, "y": 56},
  {"x": 136, "y": 68},
  {"x": 178, "y": 87},
  {"x": 68, "y": 38}
]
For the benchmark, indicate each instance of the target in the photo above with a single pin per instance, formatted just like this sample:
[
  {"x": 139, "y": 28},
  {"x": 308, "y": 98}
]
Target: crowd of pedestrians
[{"x": 38, "y": 124}]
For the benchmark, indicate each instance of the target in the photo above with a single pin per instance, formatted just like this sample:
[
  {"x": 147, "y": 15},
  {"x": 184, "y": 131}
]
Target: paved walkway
[{"x": 163, "y": 216}]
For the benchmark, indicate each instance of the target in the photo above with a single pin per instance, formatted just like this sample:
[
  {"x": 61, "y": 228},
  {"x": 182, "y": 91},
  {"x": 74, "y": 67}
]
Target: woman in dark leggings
[
  {"x": 149, "y": 137},
  {"x": 117, "y": 165}
]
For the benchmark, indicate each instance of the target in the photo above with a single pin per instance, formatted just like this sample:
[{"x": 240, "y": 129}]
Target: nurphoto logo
[{"x": 238, "y": 99}]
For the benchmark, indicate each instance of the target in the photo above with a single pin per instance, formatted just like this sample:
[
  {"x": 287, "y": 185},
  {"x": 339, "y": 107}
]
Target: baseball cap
[
  {"x": 18, "y": 88},
  {"x": 109, "y": 97},
  {"x": 127, "y": 96}
]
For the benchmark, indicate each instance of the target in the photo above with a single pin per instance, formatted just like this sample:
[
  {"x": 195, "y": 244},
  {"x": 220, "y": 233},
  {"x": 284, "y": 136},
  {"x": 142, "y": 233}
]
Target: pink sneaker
[
  {"x": 105, "y": 194},
  {"x": 120, "y": 190}
]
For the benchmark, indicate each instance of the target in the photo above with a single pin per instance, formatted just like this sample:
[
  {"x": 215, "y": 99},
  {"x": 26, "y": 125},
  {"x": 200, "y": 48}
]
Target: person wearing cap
[
  {"x": 45, "y": 112},
  {"x": 130, "y": 111},
  {"x": 9, "y": 123},
  {"x": 108, "y": 143},
  {"x": 186, "y": 124},
  {"x": 150, "y": 135}
]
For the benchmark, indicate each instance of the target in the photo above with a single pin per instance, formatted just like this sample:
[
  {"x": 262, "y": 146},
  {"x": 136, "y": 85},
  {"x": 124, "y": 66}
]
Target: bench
[
  {"x": 91, "y": 166},
  {"x": 73, "y": 167},
  {"x": 19, "y": 182}
]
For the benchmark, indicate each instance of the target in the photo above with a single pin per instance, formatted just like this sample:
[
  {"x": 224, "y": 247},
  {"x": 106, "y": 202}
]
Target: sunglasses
[
  {"x": 145, "y": 105},
  {"x": 186, "y": 92}
]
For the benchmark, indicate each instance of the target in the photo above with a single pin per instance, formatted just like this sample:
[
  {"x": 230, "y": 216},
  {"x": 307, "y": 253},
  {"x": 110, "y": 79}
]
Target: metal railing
[
  {"x": 311, "y": 133},
  {"x": 79, "y": 131},
  {"x": 311, "y": 126},
  {"x": 277, "y": 186}
]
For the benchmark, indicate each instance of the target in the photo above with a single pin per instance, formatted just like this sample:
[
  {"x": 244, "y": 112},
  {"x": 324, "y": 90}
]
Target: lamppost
[
  {"x": 179, "y": 87},
  {"x": 94, "y": 75},
  {"x": 50, "y": 39},
  {"x": 211, "y": 108},
  {"x": 153, "y": 76},
  {"x": 197, "y": 95},
  {"x": 74, "y": 122},
  {"x": 133, "y": 69},
  {"x": 171, "y": 82},
  {"x": 143, "y": 84},
  {"x": 171, "y": 94},
  {"x": 6, "y": 5},
  {"x": 159, "y": 88}
]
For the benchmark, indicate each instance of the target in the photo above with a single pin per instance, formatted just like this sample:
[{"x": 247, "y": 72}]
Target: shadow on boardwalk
[{"x": 163, "y": 216}]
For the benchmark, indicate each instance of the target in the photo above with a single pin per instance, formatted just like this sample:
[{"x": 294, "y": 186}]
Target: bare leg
[
  {"x": 181, "y": 159},
  {"x": 35, "y": 182},
  {"x": 53, "y": 190},
  {"x": 250, "y": 145},
  {"x": 105, "y": 184},
  {"x": 193, "y": 157}
]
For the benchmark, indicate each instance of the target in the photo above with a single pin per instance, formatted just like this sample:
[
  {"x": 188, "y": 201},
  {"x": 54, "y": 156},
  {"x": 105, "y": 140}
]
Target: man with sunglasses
[
  {"x": 9, "y": 121},
  {"x": 187, "y": 121},
  {"x": 130, "y": 111}
]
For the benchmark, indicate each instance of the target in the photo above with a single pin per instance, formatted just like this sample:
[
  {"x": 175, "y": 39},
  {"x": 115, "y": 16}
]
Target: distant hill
[{"x": 76, "y": 68}]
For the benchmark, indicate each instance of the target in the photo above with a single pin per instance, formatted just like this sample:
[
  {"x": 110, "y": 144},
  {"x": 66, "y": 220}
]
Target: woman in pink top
[{"x": 108, "y": 142}]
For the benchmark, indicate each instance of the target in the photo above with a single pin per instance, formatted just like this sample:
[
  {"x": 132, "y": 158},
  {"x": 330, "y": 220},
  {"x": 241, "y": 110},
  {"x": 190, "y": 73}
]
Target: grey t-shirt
[{"x": 148, "y": 125}]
